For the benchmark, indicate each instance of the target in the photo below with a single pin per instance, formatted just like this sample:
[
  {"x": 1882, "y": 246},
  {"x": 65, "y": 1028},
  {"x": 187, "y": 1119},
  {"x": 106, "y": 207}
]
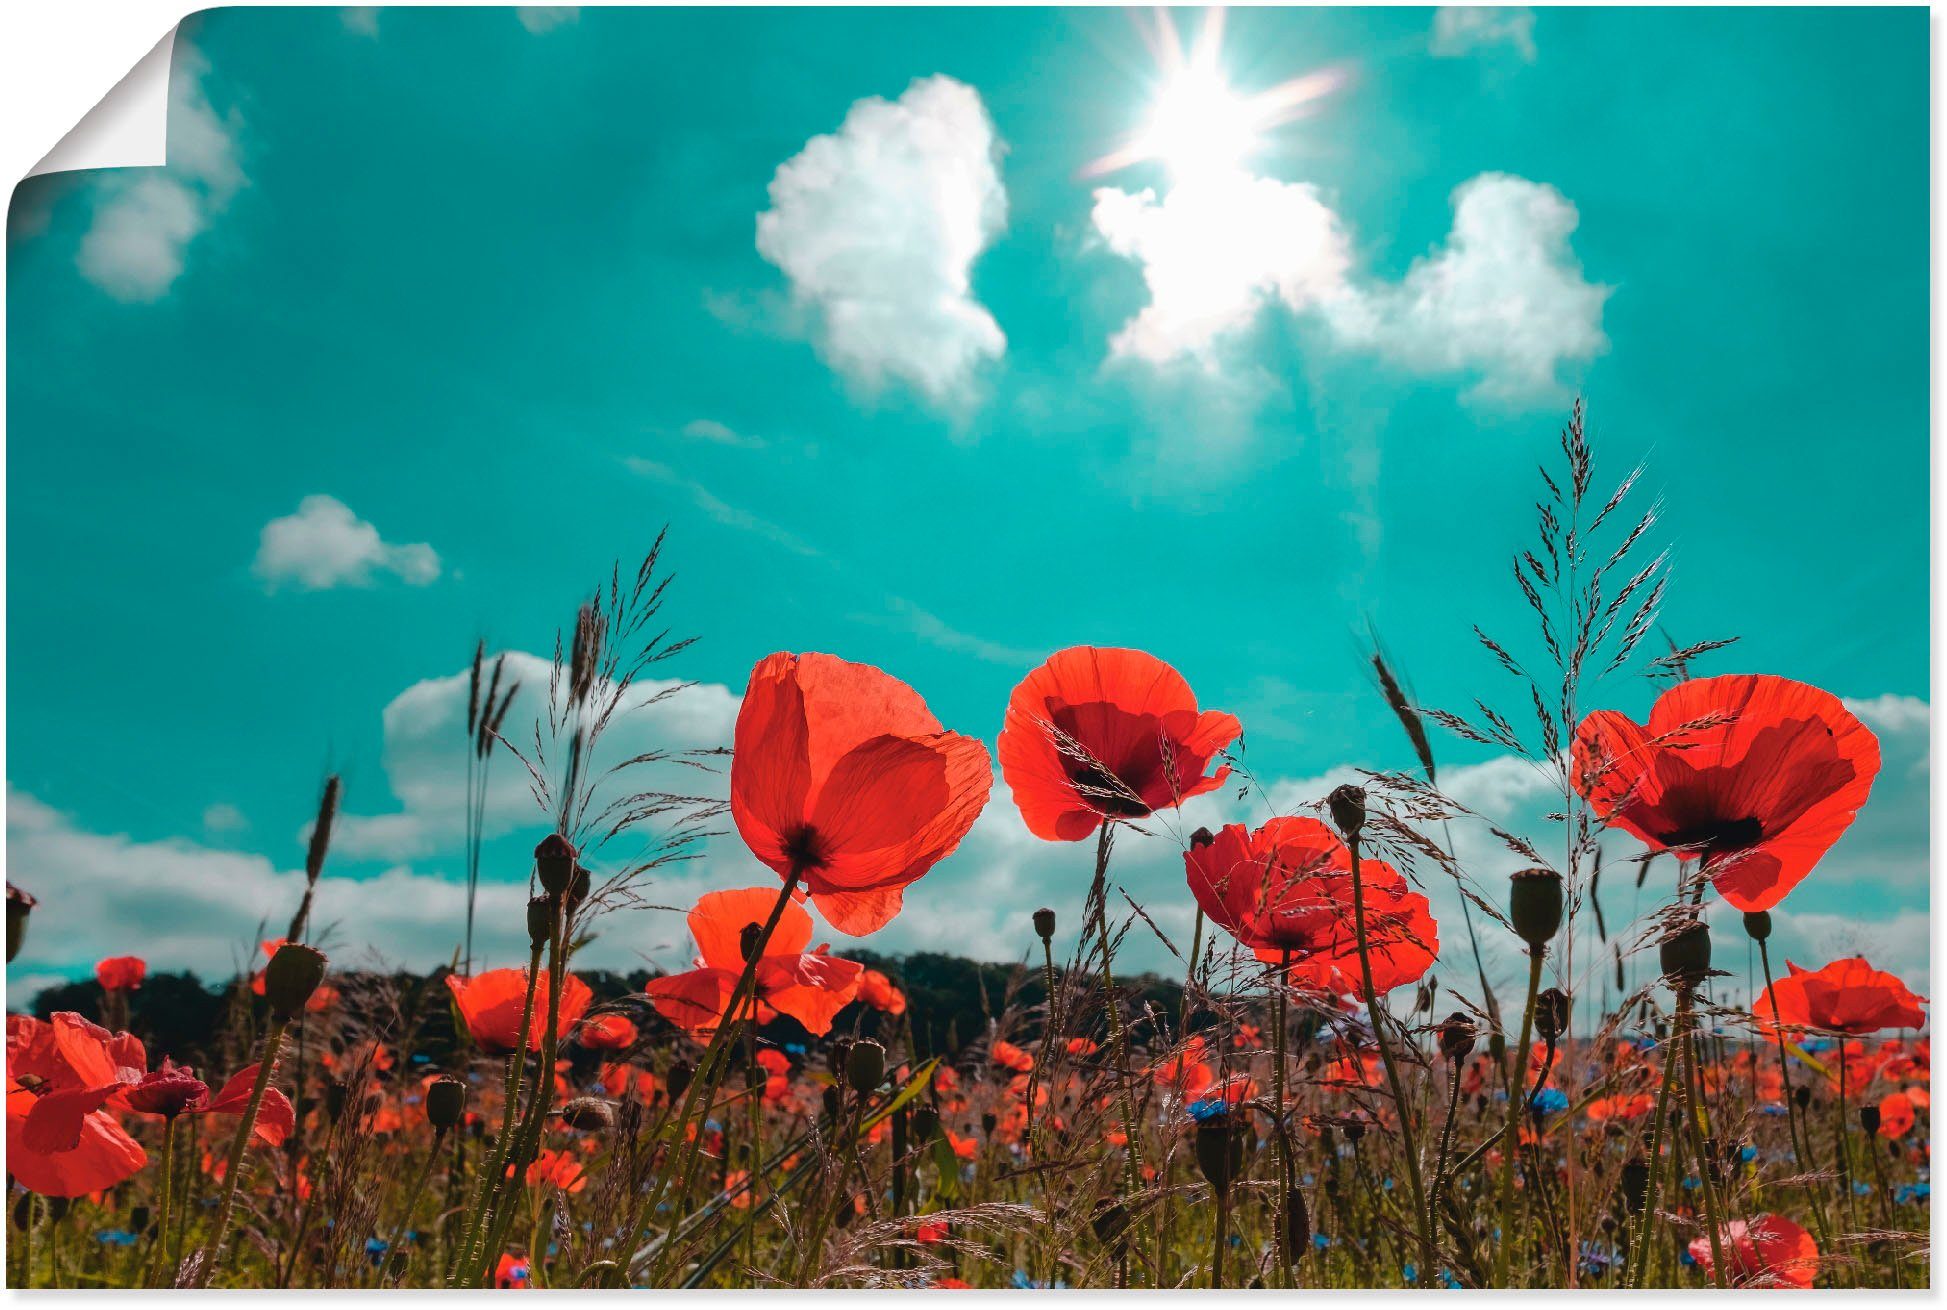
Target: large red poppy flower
[
  {"x": 811, "y": 987},
  {"x": 491, "y": 1004},
  {"x": 1769, "y": 1251},
  {"x": 174, "y": 1090},
  {"x": 65, "y": 1079},
  {"x": 1755, "y": 774},
  {"x": 1288, "y": 888},
  {"x": 607, "y": 1032},
  {"x": 121, "y": 973},
  {"x": 1846, "y": 996},
  {"x": 843, "y": 779},
  {"x": 1099, "y": 733}
]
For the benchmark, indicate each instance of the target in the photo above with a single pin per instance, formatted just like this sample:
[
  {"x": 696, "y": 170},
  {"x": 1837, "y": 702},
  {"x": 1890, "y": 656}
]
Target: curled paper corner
[{"x": 128, "y": 127}]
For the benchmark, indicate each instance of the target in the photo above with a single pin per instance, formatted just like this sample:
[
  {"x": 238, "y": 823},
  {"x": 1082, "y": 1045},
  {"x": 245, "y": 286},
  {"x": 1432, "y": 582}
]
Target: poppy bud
[
  {"x": 1354, "y": 1131},
  {"x": 1456, "y": 1034},
  {"x": 1297, "y": 1228},
  {"x": 138, "y": 1219},
  {"x": 554, "y": 863},
  {"x": 1869, "y": 1119},
  {"x": 1757, "y": 924},
  {"x": 926, "y": 1124},
  {"x": 540, "y": 922},
  {"x": 988, "y": 1122},
  {"x": 678, "y": 1078},
  {"x": 1111, "y": 1225},
  {"x": 1044, "y": 923},
  {"x": 1220, "y": 1152},
  {"x": 19, "y": 906},
  {"x": 1803, "y": 1095},
  {"x": 290, "y": 978},
  {"x": 865, "y": 1065},
  {"x": 1535, "y": 906},
  {"x": 1348, "y": 806},
  {"x": 1497, "y": 1046},
  {"x": 445, "y": 1102},
  {"x": 1201, "y": 838},
  {"x": 836, "y": 1054},
  {"x": 749, "y": 940},
  {"x": 1635, "y": 1183},
  {"x": 578, "y": 888},
  {"x": 1551, "y": 1014},
  {"x": 334, "y": 1100},
  {"x": 831, "y": 1101},
  {"x": 589, "y": 1114},
  {"x": 1685, "y": 954}
]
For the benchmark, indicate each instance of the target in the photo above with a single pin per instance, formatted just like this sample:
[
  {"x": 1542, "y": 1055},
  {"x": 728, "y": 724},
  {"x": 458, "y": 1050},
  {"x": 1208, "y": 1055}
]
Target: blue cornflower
[
  {"x": 115, "y": 1237},
  {"x": 1550, "y": 1100},
  {"x": 1911, "y": 1192}
]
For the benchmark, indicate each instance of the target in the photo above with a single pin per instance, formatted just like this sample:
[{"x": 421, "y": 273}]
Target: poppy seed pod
[
  {"x": 1347, "y": 804},
  {"x": 750, "y": 940},
  {"x": 1220, "y": 1152},
  {"x": 1044, "y": 924},
  {"x": 1685, "y": 954},
  {"x": 926, "y": 1124},
  {"x": 865, "y": 1065},
  {"x": 589, "y": 1114},
  {"x": 1456, "y": 1034},
  {"x": 445, "y": 1102},
  {"x": 1869, "y": 1119},
  {"x": 19, "y": 906},
  {"x": 1635, "y": 1183},
  {"x": 1551, "y": 1014},
  {"x": 554, "y": 863},
  {"x": 1757, "y": 925},
  {"x": 540, "y": 922},
  {"x": 1535, "y": 906},
  {"x": 290, "y": 978}
]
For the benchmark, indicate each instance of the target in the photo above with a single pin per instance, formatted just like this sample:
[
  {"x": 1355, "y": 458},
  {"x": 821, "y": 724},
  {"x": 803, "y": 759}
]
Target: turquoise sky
[{"x": 492, "y": 282}]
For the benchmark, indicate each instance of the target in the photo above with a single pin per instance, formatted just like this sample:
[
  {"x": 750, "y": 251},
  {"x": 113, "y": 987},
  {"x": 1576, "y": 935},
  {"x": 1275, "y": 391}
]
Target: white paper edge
[{"x": 128, "y": 127}]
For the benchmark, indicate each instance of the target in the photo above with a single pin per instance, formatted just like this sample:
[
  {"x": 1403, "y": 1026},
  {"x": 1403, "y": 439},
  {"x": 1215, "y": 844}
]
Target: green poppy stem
[
  {"x": 1510, "y": 1133},
  {"x": 273, "y": 1041}
]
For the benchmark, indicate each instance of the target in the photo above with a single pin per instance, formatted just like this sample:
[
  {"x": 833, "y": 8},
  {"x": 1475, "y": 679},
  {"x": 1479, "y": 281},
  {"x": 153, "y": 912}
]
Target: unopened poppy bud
[
  {"x": 1802, "y": 1095},
  {"x": 540, "y": 922},
  {"x": 334, "y": 1101},
  {"x": 19, "y": 906},
  {"x": 589, "y": 1114},
  {"x": 1348, "y": 806},
  {"x": 1354, "y": 1131},
  {"x": 1869, "y": 1119},
  {"x": 1757, "y": 924},
  {"x": 678, "y": 1078},
  {"x": 1201, "y": 838},
  {"x": 1551, "y": 1014},
  {"x": 926, "y": 1124},
  {"x": 865, "y": 1065},
  {"x": 988, "y": 1122},
  {"x": 837, "y": 1054},
  {"x": 1297, "y": 1228},
  {"x": 445, "y": 1102},
  {"x": 290, "y": 978},
  {"x": 750, "y": 940},
  {"x": 1456, "y": 1035},
  {"x": 1044, "y": 923},
  {"x": 578, "y": 889},
  {"x": 554, "y": 863},
  {"x": 1685, "y": 954},
  {"x": 1497, "y": 1046},
  {"x": 832, "y": 1103},
  {"x": 1220, "y": 1152},
  {"x": 1535, "y": 906},
  {"x": 1635, "y": 1183},
  {"x": 138, "y": 1219}
]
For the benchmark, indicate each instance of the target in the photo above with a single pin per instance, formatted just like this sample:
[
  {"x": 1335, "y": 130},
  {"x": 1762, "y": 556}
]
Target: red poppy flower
[
  {"x": 1846, "y": 996},
  {"x": 491, "y": 1004},
  {"x": 1099, "y": 733},
  {"x": 1288, "y": 888},
  {"x": 1185, "y": 1073},
  {"x": 607, "y": 1032},
  {"x": 121, "y": 973},
  {"x": 843, "y": 779},
  {"x": 620, "y": 1080},
  {"x": 1769, "y": 1251},
  {"x": 1009, "y": 1056},
  {"x": 1082, "y": 1046},
  {"x": 1620, "y": 1107},
  {"x": 513, "y": 1272},
  {"x": 810, "y": 987},
  {"x": 1756, "y": 775},
  {"x": 65, "y": 1078},
  {"x": 1895, "y": 1116},
  {"x": 877, "y": 991},
  {"x": 556, "y": 1169},
  {"x": 174, "y": 1090}
]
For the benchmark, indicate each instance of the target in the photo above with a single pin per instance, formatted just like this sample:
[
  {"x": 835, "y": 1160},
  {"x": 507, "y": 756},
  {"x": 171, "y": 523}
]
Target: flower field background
[{"x": 1327, "y": 1093}]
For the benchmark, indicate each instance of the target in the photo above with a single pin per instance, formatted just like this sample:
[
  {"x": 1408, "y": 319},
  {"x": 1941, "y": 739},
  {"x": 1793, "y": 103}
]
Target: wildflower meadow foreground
[{"x": 1331, "y": 1092}]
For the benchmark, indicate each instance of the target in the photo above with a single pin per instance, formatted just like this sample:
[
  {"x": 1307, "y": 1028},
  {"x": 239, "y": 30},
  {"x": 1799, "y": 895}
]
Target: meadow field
[{"x": 1328, "y": 1093}]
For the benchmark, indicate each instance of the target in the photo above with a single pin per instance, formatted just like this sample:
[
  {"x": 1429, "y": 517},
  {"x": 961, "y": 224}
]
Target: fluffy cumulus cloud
[
  {"x": 1470, "y": 29},
  {"x": 325, "y": 545},
  {"x": 145, "y": 219},
  {"x": 1502, "y": 300},
  {"x": 877, "y": 227}
]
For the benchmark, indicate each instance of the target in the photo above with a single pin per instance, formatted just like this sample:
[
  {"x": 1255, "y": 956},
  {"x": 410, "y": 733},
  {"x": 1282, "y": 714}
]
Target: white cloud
[
  {"x": 708, "y": 429},
  {"x": 719, "y": 509},
  {"x": 144, "y": 220},
  {"x": 325, "y": 545},
  {"x": 1214, "y": 252},
  {"x": 545, "y": 18},
  {"x": 877, "y": 227},
  {"x": 1464, "y": 29},
  {"x": 1891, "y": 713},
  {"x": 222, "y": 818},
  {"x": 1503, "y": 298},
  {"x": 362, "y": 19}
]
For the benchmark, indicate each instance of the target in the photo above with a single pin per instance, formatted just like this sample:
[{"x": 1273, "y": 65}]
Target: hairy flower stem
[
  {"x": 1429, "y": 1254},
  {"x": 398, "y": 1266},
  {"x": 1639, "y": 1249},
  {"x": 168, "y": 1173},
  {"x": 1118, "y": 1040},
  {"x": 1510, "y": 1132},
  {"x": 1280, "y": 1221},
  {"x": 1443, "y": 1160},
  {"x": 1845, "y": 1151},
  {"x": 1713, "y": 1220},
  {"x": 273, "y": 1042},
  {"x": 1222, "y": 1239},
  {"x": 1800, "y": 1153},
  {"x": 503, "y": 1142}
]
